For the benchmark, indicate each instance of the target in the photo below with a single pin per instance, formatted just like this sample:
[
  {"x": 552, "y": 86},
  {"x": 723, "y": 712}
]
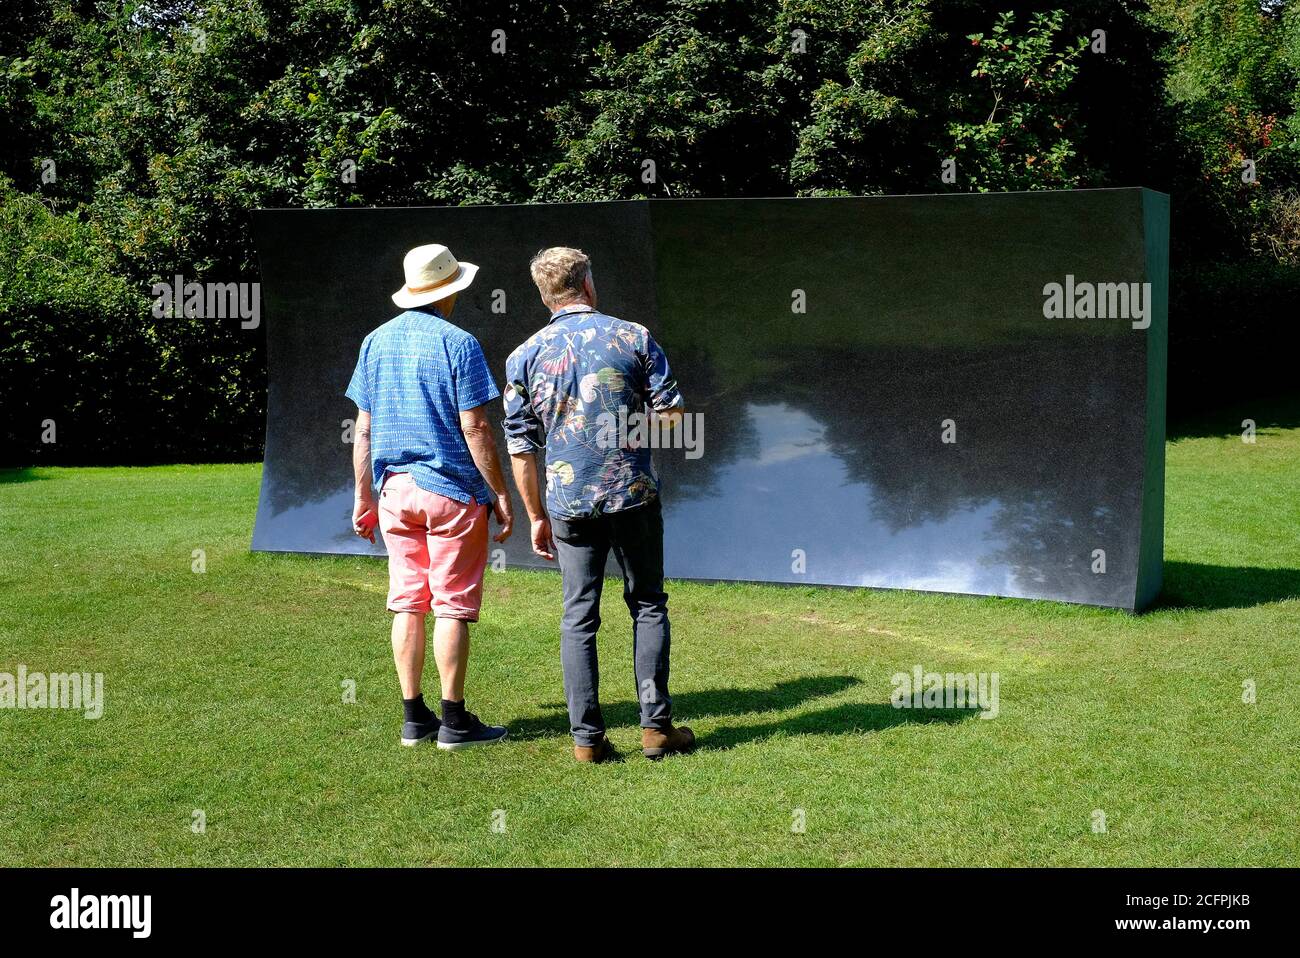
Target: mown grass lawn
[{"x": 224, "y": 693}]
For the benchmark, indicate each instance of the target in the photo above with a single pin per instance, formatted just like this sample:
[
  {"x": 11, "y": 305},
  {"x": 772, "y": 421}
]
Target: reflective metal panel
[{"x": 877, "y": 396}]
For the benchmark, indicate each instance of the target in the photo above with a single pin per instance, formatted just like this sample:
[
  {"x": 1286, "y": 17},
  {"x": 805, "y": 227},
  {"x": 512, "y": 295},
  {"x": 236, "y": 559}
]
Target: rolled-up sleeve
[
  {"x": 663, "y": 391},
  {"x": 474, "y": 385},
  {"x": 359, "y": 389},
  {"x": 524, "y": 433}
]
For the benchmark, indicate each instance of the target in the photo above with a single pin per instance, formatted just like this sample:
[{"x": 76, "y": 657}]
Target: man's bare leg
[
  {"x": 451, "y": 651},
  {"x": 408, "y": 655},
  {"x": 408, "y": 651},
  {"x": 460, "y": 727}
]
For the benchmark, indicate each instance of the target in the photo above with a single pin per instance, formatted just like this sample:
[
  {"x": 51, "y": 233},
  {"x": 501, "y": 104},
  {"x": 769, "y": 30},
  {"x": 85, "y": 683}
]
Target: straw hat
[{"x": 432, "y": 273}]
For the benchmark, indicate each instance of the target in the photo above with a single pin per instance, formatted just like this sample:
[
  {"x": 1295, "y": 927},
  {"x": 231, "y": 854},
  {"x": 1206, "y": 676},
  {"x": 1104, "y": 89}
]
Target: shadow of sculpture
[{"x": 1198, "y": 585}]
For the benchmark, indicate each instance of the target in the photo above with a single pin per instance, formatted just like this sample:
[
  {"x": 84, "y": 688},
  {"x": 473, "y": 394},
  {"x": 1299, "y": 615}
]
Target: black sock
[
  {"x": 416, "y": 710},
  {"x": 453, "y": 713}
]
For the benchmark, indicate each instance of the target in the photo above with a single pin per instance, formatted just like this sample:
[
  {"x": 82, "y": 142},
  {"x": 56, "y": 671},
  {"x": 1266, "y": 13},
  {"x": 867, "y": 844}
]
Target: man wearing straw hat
[{"x": 422, "y": 387}]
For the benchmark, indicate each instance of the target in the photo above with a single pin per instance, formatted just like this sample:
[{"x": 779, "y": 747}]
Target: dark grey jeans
[{"x": 636, "y": 537}]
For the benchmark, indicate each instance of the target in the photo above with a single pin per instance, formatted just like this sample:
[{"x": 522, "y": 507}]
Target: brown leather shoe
[
  {"x": 656, "y": 743},
  {"x": 602, "y": 751}
]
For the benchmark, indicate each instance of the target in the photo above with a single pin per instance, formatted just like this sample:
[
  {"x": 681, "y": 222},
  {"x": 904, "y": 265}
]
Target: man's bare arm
[
  {"x": 364, "y": 501},
  {"x": 361, "y": 468},
  {"x": 483, "y": 449},
  {"x": 524, "y": 467}
]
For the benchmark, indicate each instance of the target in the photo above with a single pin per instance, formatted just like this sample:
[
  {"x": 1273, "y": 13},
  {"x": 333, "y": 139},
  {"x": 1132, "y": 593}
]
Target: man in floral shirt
[{"x": 571, "y": 389}]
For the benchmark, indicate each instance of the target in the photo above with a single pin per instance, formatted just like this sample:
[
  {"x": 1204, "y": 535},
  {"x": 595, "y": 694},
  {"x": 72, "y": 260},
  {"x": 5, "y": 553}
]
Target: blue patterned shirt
[
  {"x": 569, "y": 388},
  {"x": 415, "y": 375}
]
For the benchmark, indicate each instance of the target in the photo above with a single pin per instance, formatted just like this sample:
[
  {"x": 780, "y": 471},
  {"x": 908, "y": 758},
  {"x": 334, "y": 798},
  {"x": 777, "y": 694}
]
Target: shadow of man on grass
[
  {"x": 688, "y": 705},
  {"x": 781, "y": 697},
  {"x": 855, "y": 717}
]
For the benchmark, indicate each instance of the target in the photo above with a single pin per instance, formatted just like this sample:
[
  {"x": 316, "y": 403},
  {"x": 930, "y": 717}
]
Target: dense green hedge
[{"x": 135, "y": 137}]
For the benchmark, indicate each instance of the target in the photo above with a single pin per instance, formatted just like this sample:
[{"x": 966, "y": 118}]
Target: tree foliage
[
  {"x": 1022, "y": 143},
  {"x": 135, "y": 137}
]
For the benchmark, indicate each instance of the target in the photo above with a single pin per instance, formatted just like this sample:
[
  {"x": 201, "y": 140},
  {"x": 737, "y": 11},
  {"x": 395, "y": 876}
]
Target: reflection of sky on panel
[{"x": 807, "y": 501}]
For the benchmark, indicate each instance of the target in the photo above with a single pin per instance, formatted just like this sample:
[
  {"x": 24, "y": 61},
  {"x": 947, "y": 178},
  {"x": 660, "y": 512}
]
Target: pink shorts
[{"x": 437, "y": 550}]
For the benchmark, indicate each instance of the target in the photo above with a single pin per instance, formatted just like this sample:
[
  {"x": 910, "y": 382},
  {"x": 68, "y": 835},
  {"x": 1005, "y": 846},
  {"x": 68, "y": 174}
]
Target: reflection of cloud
[
  {"x": 808, "y": 500},
  {"x": 921, "y": 557},
  {"x": 795, "y": 500},
  {"x": 785, "y": 433},
  {"x": 945, "y": 575}
]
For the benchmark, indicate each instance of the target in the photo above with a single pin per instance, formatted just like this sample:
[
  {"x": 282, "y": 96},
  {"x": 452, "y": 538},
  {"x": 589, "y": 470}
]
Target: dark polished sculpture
[{"x": 824, "y": 458}]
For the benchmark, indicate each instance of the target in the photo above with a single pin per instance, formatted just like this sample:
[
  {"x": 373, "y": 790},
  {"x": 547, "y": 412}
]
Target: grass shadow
[
  {"x": 729, "y": 701},
  {"x": 23, "y": 474},
  {"x": 1196, "y": 585},
  {"x": 1275, "y": 412},
  {"x": 849, "y": 717}
]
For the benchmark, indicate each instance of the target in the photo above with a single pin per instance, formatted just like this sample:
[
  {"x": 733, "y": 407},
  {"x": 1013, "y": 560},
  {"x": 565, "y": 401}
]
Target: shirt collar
[{"x": 573, "y": 308}]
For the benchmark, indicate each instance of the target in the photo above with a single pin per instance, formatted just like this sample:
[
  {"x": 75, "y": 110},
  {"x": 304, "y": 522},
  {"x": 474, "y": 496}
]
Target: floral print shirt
[{"x": 577, "y": 388}]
